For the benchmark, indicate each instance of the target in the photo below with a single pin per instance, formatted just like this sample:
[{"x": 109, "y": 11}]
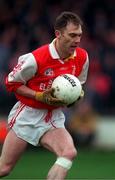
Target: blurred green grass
[{"x": 89, "y": 164}]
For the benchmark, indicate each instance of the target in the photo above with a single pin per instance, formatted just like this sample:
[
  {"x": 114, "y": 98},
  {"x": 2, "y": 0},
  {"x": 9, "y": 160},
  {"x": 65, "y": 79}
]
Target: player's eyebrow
[{"x": 75, "y": 34}]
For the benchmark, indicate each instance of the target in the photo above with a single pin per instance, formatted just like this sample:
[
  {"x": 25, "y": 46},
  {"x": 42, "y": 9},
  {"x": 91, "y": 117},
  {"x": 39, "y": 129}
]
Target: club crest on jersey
[{"x": 49, "y": 72}]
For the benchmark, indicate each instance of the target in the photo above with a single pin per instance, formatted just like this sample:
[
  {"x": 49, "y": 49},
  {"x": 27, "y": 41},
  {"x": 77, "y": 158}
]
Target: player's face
[{"x": 70, "y": 38}]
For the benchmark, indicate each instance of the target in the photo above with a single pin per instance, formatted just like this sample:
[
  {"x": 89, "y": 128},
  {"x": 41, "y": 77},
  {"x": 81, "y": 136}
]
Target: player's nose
[{"x": 77, "y": 40}]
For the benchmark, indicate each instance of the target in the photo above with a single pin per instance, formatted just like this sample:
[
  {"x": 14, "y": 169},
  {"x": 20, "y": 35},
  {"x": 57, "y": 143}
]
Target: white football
[{"x": 67, "y": 87}]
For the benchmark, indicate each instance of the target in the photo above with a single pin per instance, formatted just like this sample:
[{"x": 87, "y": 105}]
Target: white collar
[{"x": 53, "y": 52}]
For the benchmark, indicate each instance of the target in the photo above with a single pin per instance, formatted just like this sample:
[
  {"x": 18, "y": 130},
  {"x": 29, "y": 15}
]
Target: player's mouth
[{"x": 72, "y": 48}]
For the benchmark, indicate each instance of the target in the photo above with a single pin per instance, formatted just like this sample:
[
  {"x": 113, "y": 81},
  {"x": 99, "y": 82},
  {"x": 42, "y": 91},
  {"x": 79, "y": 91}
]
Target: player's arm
[
  {"x": 24, "y": 71},
  {"x": 82, "y": 77},
  {"x": 45, "y": 96}
]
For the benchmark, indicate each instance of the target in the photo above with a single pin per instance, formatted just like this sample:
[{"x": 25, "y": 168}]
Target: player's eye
[
  {"x": 72, "y": 35},
  {"x": 75, "y": 35}
]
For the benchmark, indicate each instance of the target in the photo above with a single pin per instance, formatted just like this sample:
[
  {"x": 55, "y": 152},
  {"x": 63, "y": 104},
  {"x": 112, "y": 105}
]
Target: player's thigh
[
  {"x": 57, "y": 140},
  {"x": 12, "y": 149}
]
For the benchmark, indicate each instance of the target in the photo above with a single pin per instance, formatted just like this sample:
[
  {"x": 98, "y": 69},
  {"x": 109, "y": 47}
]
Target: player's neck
[{"x": 60, "y": 50}]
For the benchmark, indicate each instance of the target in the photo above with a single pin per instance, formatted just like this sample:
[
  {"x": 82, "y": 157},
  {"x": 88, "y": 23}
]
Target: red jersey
[{"x": 38, "y": 69}]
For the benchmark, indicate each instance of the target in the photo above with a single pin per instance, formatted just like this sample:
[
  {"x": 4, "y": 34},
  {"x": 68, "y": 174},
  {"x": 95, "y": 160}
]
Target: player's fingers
[
  {"x": 82, "y": 93},
  {"x": 55, "y": 101},
  {"x": 48, "y": 91}
]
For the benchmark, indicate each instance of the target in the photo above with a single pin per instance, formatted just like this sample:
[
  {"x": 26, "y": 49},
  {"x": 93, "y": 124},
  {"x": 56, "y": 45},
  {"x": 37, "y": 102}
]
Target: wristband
[{"x": 39, "y": 96}]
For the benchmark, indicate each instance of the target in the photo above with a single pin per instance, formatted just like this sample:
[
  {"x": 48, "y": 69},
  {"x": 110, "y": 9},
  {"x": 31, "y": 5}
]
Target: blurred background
[{"x": 27, "y": 24}]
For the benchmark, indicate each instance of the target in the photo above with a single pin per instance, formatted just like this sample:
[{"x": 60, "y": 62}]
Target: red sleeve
[{"x": 12, "y": 86}]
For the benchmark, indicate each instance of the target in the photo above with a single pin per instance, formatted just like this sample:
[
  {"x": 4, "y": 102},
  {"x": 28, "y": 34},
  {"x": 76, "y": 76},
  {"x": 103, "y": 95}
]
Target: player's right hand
[
  {"x": 79, "y": 98},
  {"x": 47, "y": 97}
]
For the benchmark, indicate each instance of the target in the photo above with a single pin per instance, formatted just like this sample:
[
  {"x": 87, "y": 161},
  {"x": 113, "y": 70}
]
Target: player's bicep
[{"x": 24, "y": 70}]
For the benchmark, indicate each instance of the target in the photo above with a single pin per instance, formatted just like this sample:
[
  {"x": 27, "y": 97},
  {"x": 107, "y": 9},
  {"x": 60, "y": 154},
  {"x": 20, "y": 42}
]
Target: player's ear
[{"x": 57, "y": 33}]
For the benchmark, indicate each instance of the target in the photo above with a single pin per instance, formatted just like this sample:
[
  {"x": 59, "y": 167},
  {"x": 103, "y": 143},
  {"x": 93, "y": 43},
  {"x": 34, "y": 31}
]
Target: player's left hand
[{"x": 81, "y": 95}]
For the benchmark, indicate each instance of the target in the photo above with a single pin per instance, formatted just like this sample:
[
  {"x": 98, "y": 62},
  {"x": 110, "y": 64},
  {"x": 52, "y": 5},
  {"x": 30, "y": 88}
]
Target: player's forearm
[{"x": 25, "y": 91}]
